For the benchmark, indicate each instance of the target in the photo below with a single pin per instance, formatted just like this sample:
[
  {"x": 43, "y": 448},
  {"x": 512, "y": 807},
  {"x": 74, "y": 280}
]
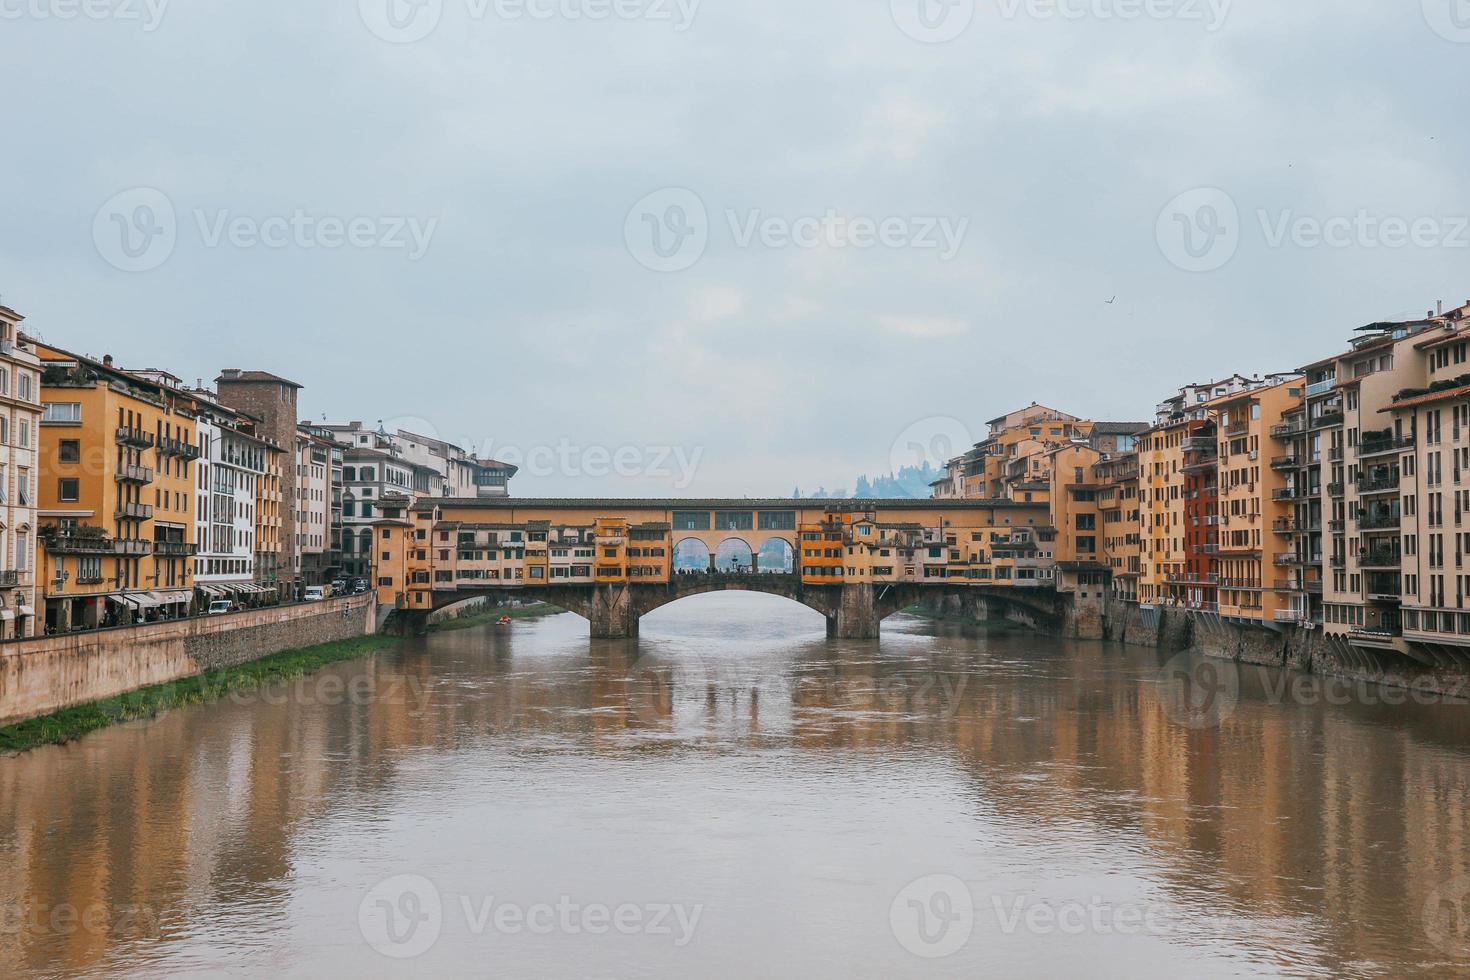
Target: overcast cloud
[{"x": 772, "y": 236}]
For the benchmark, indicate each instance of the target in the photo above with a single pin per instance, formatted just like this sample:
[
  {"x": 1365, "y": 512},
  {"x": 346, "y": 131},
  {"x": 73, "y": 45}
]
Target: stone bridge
[{"x": 852, "y": 611}]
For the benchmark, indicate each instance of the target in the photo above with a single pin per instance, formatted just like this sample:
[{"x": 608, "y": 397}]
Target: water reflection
[{"x": 789, "y": 785}]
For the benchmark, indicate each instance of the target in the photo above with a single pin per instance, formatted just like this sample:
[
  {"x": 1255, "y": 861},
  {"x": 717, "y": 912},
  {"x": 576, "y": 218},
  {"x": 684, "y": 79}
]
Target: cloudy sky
[{"x": 660, "y": 246}]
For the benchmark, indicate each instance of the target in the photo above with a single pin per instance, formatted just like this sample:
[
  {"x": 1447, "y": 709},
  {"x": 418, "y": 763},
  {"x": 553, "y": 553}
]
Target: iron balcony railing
[
  {"x": 1378, "y": 484},
  {"x": 1379, "y": 522},
  {"x": 135, "y": 512},
  {"x": 139, "y": 438},
  {"x": 1327, "y": 420},
  {"x": 177, "y": 447},
  {"x": 134, "y": 474},
  {"x": 1286, "y": 462},
  {"x": 1377, "y": 447},
  {"x": 1380, "y": 559},
  {"x": 175, "y": 549}
]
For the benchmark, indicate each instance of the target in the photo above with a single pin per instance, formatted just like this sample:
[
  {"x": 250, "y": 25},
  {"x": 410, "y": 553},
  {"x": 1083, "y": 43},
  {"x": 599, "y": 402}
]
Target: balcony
[
  {"x": 1327, "y": 420},
  {"x": 1288, "y": 616},
  {"x": 1288, "y": 494},
  {"x": 1238, "y": 428},
  {"x": 10, "y": 578},
  {"x": 135, "y": 512},
  {"x": 138, "y": 438},
  {"x": 1199, "y": 444},
  {"x": 1382, "y": 483},
  {"x": 177, "y": 447},
  {"x": 134, "y": 474},
  {"x": 1379, "y": 521},
  {"x": 131, "y": 546},
  {"x": 175, "y": 549},
  {"x": 1292, "y": 462},
  {"x": 1288, "y": 429},
  {"x": 1337, "y": 527},
  {"x": 1284, "y": 526},
  {"x": 1336, "y": 489},
  {"x": 1321, "y": 387},
  {"x": 1382, "y": 446},
  {"x": 1380, "y": 560},
  {"x": 1338, "y": 562},
  {"x": 1287, "y": 558},
  {"x": 1334, "y": 454}
]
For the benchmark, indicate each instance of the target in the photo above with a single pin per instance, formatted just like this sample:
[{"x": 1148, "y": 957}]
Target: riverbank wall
[
  {"x": 1101, "y": 616},
  {"x": 40, "y": 675}
]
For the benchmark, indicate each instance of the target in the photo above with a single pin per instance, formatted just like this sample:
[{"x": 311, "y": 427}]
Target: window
[
  {"x": 68, "y": 490},
  {"x": 69, "y": 451},
  {"x": 62, "y": 412}
]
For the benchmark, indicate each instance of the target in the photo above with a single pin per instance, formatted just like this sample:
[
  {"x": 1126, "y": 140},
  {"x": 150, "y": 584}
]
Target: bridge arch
[
  {"x": 692, "y": 555},
  {"x": 734, "y": 553},
  {"x": 776, "y": 555}
]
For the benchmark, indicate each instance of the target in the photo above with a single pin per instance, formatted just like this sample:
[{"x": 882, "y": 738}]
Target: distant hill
[{"x": 909, "y": 483}]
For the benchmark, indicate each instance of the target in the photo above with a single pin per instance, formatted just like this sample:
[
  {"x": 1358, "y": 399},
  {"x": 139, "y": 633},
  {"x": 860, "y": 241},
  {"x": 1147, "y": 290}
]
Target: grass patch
[
  {"x": 993, "y": 625},
  {"x": 72, "y": 723},
  {"x": 491, "y": 615}
]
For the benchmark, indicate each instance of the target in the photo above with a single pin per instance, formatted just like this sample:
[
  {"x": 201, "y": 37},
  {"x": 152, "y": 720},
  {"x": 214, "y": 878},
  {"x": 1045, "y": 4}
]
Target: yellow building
[
  {"x": 116, "y": 494},
  {"x": 270, "y": 540},
  {"x": 1077, "y": 516},
  {"x": 1256, "y": 581}
]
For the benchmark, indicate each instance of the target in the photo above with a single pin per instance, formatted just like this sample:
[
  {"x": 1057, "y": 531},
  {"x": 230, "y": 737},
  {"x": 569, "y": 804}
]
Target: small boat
[{"x": 503, "y": 621}]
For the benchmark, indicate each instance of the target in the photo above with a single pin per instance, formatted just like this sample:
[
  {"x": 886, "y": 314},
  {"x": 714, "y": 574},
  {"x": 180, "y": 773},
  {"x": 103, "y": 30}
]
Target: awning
[
  {"x": 171, "y": 597},
  {"x": 142, "y": 600},
  {"x": 213, "y": 591},
  {"x": 7, "y": 613},
  {"x": 27, "y": 611}
]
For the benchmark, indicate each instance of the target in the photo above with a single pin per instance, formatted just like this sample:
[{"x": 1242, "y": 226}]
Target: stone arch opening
[
  {"x": 734, "y": 555},
  {"x": 776, "y": 557},
  {"x": 691, "y": 555}
]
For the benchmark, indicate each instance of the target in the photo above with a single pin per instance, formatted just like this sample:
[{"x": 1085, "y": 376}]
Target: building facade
[
  {"x": 20, "y": 435},
  {"x": 117, "y": 494}
]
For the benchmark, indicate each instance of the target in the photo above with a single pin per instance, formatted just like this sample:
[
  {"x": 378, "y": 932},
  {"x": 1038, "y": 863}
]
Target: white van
[
  {"x": 314, "y": 593},
  {"x": 218, "y": 606}
]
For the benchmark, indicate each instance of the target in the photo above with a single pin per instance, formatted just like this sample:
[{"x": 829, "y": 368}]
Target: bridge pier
[
  {"x": 612, "y": 613},
  {"x": 856, "y": 615}
]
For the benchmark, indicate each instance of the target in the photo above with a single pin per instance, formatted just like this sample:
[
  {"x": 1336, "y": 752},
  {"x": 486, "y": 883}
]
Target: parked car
[
  {"x": 359, "y": 586},
  {"x": 217, "y": 606},
  {"x": 339, "y": 586},
  {"x": 315, "y": 593}
]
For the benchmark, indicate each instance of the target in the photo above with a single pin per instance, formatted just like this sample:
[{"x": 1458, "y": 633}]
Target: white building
[
  {"x": 232, "y": 461},
  {"x": 315, "y": 563},
  {"x": 20, "y": 420}
]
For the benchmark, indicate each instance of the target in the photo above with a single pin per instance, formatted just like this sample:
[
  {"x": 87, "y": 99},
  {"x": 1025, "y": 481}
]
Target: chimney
[
  {"x": 107, "y": 360},
  {"x": 1439, "y": 307}
]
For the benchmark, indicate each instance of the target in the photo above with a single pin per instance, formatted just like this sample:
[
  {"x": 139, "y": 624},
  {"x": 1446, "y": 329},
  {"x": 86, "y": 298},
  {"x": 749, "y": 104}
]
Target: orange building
[{"x": 116, "y": 494}]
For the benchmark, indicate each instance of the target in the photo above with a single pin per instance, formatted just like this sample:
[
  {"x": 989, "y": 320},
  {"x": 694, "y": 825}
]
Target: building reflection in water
[{"x": 1334, "y": 824}]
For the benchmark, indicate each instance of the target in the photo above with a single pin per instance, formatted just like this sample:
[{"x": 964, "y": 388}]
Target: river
[{"x": 732, "y": 794}]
